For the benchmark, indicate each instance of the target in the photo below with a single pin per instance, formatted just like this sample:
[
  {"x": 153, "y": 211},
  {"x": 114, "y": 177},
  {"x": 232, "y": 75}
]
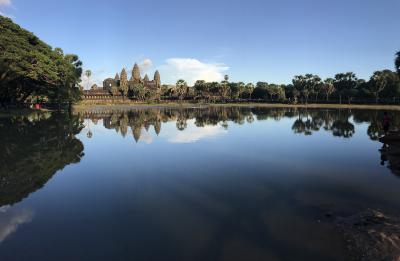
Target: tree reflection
[
  {"x": 32, "y": 150},
  {"x": 339, "y": 122},
  {"x": 390, "y": 156}
]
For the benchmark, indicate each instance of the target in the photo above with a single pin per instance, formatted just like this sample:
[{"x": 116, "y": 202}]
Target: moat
[{"x": 212, "y": 183}]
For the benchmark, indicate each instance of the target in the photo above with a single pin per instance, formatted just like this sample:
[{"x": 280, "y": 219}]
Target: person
[{"x": 386, "y": 122}]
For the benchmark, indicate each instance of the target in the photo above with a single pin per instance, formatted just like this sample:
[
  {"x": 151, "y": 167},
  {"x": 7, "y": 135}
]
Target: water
[{"x": 190, "y": 184}]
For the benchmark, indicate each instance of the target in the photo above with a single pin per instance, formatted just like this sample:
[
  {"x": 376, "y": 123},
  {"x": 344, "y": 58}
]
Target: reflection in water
[
  {"x": 245, "y": 194},
  {"x": 11, "y": 219},
  {"x": 390, "y": 156},
  {"x": 339, "y": 122},
  {"x": 213, "y": 121},
  {"x": 32, "y": 149}
]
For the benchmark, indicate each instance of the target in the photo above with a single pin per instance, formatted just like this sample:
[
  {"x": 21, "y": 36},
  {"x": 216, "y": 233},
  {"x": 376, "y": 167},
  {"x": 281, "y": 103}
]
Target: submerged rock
[{"x": 372, "y": 235}]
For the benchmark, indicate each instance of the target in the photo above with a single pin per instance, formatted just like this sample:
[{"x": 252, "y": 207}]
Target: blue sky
[{"x": 253, "y": 40}]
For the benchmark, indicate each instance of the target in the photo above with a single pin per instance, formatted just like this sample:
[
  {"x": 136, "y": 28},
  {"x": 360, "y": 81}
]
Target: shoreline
[
  {"x": 175, "y": 105},
  {"x": 79, "y": 107}
]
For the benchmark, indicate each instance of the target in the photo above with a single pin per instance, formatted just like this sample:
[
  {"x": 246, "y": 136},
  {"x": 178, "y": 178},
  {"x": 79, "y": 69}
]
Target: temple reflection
[{"x": 339, "y": 122}]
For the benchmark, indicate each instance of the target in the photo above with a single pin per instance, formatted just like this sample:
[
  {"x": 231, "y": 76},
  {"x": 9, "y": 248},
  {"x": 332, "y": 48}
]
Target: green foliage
[
  {"x": 386, "y": 82},
  {"x": 138, "y": 91},
  {"x": 328, "y": 87},
  {"x": 397, "y": 62},
  {"x": 223, "y": 89},
  {"x": 181, "y": 89},
  {"x": 261, "y": 92},
  {"x": 345, "y": 84},
  {"x": 307, "y": 84},
  {"x": 29, "y": 67},
  {"x": 249, "y": 89}
]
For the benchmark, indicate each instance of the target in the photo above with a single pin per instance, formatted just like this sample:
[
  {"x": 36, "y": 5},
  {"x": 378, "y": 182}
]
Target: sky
[{"x": 251, "y": 41}]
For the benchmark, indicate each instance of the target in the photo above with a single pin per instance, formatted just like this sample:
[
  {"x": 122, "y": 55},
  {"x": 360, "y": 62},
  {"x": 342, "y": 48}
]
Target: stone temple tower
[
  {"x": 157, "y": 78},
  {"x": 136, "y": 73}
]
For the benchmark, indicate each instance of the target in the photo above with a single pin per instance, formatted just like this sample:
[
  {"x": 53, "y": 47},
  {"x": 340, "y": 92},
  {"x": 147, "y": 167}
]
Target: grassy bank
[{"x": 82, "y": 106}]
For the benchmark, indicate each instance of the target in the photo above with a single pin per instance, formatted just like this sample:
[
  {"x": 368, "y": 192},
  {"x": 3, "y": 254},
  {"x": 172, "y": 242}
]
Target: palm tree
[
  {"x": 88, "y": 73},
  {"x": 181, "y": 89},
  {"x": 397, "y": 62}
]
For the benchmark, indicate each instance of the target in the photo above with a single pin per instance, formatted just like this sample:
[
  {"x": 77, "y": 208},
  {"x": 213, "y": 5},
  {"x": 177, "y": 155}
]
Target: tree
[
  {"x": 260, "y": 92},
  {"x": 328, "y": 87},
  {"x": 234, "y": 90},
  {"x": 181, "y": 89},
  {"x": 249, "y": 89},
  {"x": 201, "y": 88},
  {"x": 114, "y": 90},
  {"x": 29, "y": 67},
  {"x": 397, "y": 62},
  {"x": 138, "y": 90},
  {"x": 317, "y": 86},
  {"x": 223, "y": 88},
  {"x": 291, "y": 93},
  {"x": 385, "y": 82},
  {"x": 305, "y": 84},
  {"x": 377, "y": 84},
  {"x": 345, "y": 83},
  {"x": 88, "y": 73},
  {"x": 241, "y": 88}
]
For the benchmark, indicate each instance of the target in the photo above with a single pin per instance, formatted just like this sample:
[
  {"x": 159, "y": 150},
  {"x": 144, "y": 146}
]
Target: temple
[{"x": 112, "y": 86}]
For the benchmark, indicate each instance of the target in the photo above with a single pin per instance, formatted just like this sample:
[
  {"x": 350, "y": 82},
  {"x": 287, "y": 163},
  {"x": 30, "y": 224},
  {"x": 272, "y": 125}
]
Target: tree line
[
  {"x": 32, "y": 71},
  {"x": 343, "y": 87}
]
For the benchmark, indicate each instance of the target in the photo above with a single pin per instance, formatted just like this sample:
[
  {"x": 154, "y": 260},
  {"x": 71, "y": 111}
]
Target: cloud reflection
[
  {"x": 11, "y": 219},
  {"x": 194, "y": 134}
]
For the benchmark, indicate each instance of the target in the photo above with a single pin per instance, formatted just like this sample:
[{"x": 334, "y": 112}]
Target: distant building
[
  {"x": 113, "y": 84},
  {"x": 154, "y": 84}
]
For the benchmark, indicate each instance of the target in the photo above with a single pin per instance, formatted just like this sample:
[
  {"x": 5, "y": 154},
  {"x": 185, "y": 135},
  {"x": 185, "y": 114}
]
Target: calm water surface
[{"x": 190, "y": 184}]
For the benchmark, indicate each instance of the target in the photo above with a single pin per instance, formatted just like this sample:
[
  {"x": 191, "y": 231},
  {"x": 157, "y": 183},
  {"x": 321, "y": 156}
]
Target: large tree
[
  {"x": 397, "y": 62},
  {"x": 29, "y": 67},
  {"x": 138, "y": 90},
  {"x": 307, "y": 84},
  {"x": 345, "y": 84},
  {"x": 386, "y": 83},
  {"x": 328, "y": 87},
  {"x": 249, "y": 90}
]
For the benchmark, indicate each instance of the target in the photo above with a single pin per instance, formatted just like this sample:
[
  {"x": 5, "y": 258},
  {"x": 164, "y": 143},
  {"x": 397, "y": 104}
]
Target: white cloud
[
  {"x": 97, "y": 77},
  {"x": 5, "y": 2},
  {"x": 191, "y": 70},
  {"x": 145, "y": 65}
]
